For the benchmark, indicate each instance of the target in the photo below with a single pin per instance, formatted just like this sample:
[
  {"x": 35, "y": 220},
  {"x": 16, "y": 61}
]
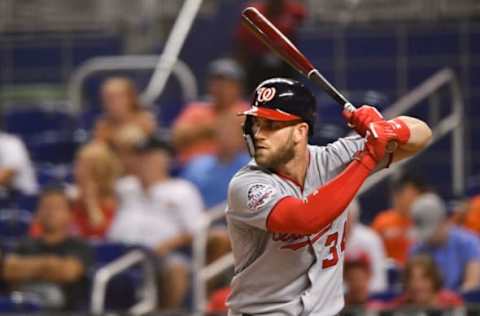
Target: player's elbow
[
  {"x": 425, "y": 135},
  {"x": 420, "y": 134}
]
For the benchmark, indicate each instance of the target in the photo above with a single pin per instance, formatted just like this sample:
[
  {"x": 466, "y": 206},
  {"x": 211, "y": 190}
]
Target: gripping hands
[
  {"x": 361, "y": 118},
  {"x": 380, "y": 134}
]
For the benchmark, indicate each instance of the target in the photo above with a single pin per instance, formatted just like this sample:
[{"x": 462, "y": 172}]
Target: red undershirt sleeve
[{"x": 319, "y": 209}]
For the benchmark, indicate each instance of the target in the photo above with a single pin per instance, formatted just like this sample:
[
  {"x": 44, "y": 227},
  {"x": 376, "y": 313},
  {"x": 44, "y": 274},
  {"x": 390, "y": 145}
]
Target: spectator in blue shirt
[
  {"x": 211, "y": 173},
  {"x": 455, "y": 250}
]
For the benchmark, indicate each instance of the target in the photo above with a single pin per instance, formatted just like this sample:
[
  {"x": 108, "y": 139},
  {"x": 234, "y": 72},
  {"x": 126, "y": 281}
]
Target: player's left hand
[{"x": 361, "y": 118}]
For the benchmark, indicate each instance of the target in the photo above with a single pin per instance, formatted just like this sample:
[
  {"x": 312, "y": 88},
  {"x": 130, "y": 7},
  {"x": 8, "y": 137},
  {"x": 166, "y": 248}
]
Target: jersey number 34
[{"x": 332, "y": 243}]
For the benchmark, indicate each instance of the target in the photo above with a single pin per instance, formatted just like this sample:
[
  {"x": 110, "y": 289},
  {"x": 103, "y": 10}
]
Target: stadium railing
[
  {"x": 181, "y": 71},
  {"x": 102, "y": 277}
]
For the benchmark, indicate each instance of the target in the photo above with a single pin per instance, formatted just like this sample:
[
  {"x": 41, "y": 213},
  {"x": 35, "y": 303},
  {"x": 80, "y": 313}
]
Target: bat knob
[{"x": 348, "y": 107}]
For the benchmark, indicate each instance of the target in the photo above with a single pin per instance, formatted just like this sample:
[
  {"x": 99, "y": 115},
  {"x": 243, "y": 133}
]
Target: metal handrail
[
  {"x": 174, "y": 44},
  {"x": 182, "y": 72},
  {"x": 106, "y": 273},
  {"x": 199, "y": 259},
  {"x": 453, "y": 122}
]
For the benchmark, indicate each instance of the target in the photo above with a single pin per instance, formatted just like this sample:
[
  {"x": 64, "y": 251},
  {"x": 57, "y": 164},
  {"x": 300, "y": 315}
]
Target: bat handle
[{"x": 348, "y": 107}]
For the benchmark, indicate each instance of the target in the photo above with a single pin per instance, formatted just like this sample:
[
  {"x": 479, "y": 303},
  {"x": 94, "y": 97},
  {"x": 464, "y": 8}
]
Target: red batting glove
[
  {"x": 361, "y": 118},
  {"x": 401, "y": 130},
  {"x": 379, "y": 134}
]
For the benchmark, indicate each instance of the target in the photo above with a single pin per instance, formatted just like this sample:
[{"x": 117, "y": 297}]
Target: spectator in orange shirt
[
  {"x": 194, "y": 130},
  {"x": 471, "y": 218},
  {"x": 393, "y": 225}
]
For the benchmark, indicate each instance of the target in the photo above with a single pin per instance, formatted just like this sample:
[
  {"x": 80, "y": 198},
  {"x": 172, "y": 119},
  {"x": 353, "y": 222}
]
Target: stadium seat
[
  {"x": 394, "y": 274},
  {"x": 106, "y": 251},
  {"x": 122, "y": 289},
  {"x": 18, "y": 305},
  {"x": 472, "y": 296},
  {"x": 14, "y": 224}
]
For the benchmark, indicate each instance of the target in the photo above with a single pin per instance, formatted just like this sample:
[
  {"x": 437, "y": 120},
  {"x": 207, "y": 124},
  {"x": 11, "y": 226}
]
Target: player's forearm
[
  {"x": 20, "y": 269},
  {"x": 472, "y": 276},
  {"x": 6, "y": 175},
  {"x": 173, "y": 244},
  {"x": 419, "y": 137},
  {"x": 292, "y": 215},
  {"x": 62, "y": 269},
  {"x": 420, "y": 134}
]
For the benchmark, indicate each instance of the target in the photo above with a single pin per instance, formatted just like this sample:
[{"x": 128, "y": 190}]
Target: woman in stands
[
  {"x": 96, "y": 169},
  {"x": 121, "y": 107},
  {"x": 423, "y": 287}
]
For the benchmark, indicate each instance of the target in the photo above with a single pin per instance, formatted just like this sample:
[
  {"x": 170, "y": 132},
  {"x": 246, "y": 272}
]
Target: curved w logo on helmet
[{"x": 265, "y": 94}]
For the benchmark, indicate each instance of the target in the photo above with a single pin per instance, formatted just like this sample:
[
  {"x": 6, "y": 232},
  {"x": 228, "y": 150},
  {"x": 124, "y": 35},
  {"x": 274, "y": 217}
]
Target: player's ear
[{"x": 301, "y": 131}]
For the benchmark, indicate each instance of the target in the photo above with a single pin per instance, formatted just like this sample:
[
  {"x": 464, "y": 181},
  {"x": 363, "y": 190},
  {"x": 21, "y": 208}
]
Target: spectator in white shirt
[
  {"x": 159, "y": 212},
  {"x": 16, "y": 170},
  {"x": 364, "y": 241}
]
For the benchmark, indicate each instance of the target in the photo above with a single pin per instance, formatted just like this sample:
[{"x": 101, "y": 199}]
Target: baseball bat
[{"x": 280, "y": 44}]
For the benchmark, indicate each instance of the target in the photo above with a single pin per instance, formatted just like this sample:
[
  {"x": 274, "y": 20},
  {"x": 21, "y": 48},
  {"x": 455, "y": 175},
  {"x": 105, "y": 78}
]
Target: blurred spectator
[
  {"x": 394, "y": 225},
  {"x": 96, "y": 169},
  {"x": 471, "y": 219},
  {"x": 357, "y": 275},
  {"x": 160, "y": 213},
  {"x": 364, "y": 241},
  {"x": 212, "y": 173},
  {"x": 123, "y": 144},
  {"x": 424, "y": 288},
  {"x": 194, "y": 130},
  {"x": 17, "y": 174},
  {"x": 52, "y": 267},
  {"x": 121, "y": 107},
  {"x": 455, "y": 250},
  {"x": 258, "y": 60}
]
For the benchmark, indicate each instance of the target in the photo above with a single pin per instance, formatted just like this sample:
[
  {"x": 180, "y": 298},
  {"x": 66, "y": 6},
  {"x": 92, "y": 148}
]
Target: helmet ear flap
[{"x": 248, "y": 135}]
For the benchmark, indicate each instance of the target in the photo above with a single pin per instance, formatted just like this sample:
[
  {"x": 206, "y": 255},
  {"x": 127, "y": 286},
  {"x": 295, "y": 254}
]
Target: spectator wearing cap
[
  {"x": 53, "y": 266},
  {"x": 160, "y": 213},
  {"x": 364, "y": 241},
  {"x": 455, "y": 250},
  {"x": 194, "y": 130}
]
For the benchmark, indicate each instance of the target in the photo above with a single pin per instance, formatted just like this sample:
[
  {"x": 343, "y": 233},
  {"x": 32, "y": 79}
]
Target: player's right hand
[
  {"x": 361, "y": 118},
  {"x": 379, "y": 135}
]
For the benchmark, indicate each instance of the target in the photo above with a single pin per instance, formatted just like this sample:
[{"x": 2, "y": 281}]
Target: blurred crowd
[
  {"x": 134, "y": 184},
  {"x": 139, "y": 184}
]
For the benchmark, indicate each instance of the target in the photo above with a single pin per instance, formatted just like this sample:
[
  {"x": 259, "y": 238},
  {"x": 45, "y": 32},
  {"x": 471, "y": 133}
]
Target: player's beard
[{"x": 280, "y": 157}]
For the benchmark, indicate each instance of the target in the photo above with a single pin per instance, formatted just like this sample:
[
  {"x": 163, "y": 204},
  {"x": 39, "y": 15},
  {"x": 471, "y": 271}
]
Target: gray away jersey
[{"x": 286, "y": 274}]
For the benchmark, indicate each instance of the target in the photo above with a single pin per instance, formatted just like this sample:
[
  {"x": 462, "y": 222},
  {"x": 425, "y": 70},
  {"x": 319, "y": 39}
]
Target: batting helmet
[{"x": 280, "y": 99}]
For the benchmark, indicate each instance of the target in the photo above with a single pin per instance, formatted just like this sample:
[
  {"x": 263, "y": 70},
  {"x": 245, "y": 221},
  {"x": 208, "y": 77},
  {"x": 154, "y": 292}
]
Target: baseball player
[{"x": 285, "y": 210}]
